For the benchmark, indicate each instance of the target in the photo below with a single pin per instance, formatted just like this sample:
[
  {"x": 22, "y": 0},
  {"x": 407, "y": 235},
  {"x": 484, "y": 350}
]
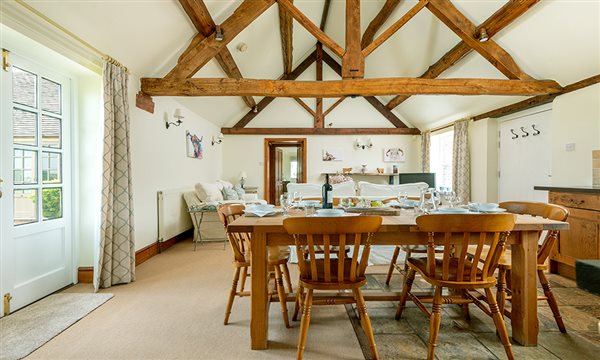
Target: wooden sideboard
[{"x": 582, "y": 240}]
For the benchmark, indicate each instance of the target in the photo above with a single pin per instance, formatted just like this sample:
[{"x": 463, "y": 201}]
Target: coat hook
[
  {"x": 512, "y": 131},
  {"x": 537, "y": 132},
  {"x": 524, "y": 132}
]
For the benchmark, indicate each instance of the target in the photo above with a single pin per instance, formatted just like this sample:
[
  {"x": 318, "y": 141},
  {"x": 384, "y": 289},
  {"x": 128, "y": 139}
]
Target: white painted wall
[
  {"x": 484, "y": 160},
  {"x": 576, "y": 120},
  {"x": 159, "y": 161},
  {"x": 246, "y": 153}
]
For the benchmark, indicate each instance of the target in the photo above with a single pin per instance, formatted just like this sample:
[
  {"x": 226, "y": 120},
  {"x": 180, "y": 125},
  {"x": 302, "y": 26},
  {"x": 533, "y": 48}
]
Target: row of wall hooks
[{"x": 525, "y": 132}]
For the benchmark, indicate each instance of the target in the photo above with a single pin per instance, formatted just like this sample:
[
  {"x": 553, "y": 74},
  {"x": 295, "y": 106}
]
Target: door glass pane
[
  {"x": 25, "y": 206},
  {"x": 50, "y": 96},
  {"x": 50, "y": 131},
  {"x": 24, "y": 87},
  {"x": 24, "y": 127},
  {"x": 25, "y": 167},
  {"x": 51, "y": 203},
  {"x": 51, "y": 168}
]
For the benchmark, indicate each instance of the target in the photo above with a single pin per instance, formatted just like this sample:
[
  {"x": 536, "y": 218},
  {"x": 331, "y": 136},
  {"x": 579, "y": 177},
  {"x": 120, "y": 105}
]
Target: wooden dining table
[{"x": 401, "y": 230}]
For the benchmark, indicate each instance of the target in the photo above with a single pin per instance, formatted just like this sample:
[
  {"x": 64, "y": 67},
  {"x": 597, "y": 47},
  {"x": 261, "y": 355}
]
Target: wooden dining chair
[
  {"x": 543, "y": 210},
  {"x": 455, "y": 270},
  {"x": 240, "y": 244},
  {"x": 329, "y": 272}
]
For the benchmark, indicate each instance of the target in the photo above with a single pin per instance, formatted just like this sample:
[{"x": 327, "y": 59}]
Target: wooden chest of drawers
[{"x": 582, "y": 240}]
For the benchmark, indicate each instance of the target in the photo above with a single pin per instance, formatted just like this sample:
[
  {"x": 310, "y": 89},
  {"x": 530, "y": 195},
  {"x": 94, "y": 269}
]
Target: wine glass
[
  {"x": 451, "y": 198},
  {"x": 402, "y": 197},
  {"x": 297, "y": 197},
  {"x": 284, "y": 202}
]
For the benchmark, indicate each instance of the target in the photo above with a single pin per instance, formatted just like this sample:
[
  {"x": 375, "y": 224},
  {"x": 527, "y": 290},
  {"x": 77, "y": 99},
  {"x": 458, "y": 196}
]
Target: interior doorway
[{"x": 285, "y": 162}]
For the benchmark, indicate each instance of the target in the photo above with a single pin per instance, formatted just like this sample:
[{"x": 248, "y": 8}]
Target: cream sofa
[{"x": 361, "y": 189}]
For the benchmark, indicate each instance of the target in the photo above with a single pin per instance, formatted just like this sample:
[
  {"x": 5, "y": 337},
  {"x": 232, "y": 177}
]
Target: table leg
[
  {"x": 524, "y": 316},
  {"x": 259, "y": 317}
]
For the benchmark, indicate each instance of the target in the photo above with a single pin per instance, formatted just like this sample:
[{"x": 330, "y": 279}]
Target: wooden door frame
[{"x": 283, "y": 142}]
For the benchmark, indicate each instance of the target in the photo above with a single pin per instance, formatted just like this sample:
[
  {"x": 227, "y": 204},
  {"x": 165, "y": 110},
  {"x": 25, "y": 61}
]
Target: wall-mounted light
[
  {"x": 363, "y": 144},
  {"x": 177, "y": 116},
  {"x": 217, "y": 140},
  {"x": 483, "y": 36},
  {"x": 218, "y": 33}
]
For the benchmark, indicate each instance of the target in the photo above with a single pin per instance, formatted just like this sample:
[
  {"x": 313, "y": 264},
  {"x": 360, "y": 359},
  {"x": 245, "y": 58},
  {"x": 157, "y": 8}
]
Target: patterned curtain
[
  {"x": 461, "y": 160},
  {"x": 425, "y": 150},
  {"x": 116, "y": 260}
]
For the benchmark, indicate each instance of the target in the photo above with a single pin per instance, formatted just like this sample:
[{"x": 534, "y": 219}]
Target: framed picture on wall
[
  {"x": 333, "y": 154},
  {"x": 393, "y": 155},
  {"x": 193, "y": 145}
]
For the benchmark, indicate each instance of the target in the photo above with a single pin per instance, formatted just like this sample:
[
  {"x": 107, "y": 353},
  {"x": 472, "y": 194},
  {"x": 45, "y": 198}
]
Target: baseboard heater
[{"x": 172, "y": 215}]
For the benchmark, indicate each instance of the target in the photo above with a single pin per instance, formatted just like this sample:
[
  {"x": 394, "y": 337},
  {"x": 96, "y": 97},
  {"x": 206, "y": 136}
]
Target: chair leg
[
  {"x": 408, "y": 254},
  {"x": 408, "y": 281},
  {"x": 304, "y": 324},
  {"x": 288, "y": 280},
  {"x": 465, "y": 307},
  {"x": 365, "y": 321},
  {"x": 392, "y": 263},
  {"x": 298, "y": 304},
  {"x": 282, "y": 296},
  {"x": 551, "y": 301},
  {"x": 434, "y": 322},
  {"x": 501, "y": 289},
  {"x": 499, "y": 322},
  {"x": 232, "y": 294},
  {"x": 244, "y": 276}
]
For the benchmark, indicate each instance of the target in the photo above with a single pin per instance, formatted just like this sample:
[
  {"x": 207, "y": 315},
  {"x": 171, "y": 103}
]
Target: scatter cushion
[
  {"x": 225, "y": 184},
  {"x": 209, "y": 192},
  {"x": 240, "y": 192},
  {"x": 369, "y": 189},
  {"x": 230, "y": 194}
]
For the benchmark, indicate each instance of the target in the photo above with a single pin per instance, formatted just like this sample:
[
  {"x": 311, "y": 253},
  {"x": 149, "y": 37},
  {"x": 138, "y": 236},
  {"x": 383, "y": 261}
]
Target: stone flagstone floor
[{"x": 476, "y": 338}]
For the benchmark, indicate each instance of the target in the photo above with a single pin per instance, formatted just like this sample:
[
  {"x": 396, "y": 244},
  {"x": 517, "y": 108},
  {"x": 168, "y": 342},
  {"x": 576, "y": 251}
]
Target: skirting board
[{"x": 86, "y": 274}]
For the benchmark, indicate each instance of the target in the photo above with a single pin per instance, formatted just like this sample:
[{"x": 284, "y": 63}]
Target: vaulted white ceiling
[{"x": 556, "y": 39}]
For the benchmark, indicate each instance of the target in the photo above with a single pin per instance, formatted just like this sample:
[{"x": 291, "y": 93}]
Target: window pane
[
  {"x": 51, "y": 131},
  {"x": 51, "y": 96},
  {"x": 24, "y": 87},
  {"x": 25, "y": 206},
  {"x": 51, "y": 167},
  {"x": 24, "y": 127},
  {"x": 25, "y": 167},
  {"x": 441, "y": 158},
  {"x": 51, "y": 203}
]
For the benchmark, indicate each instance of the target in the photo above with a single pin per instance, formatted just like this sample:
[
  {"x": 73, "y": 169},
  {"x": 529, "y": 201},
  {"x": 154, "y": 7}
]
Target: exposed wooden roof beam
[
  {"x": 306, "y": 107},
  {"x": 319, "y": 118},
  {"x": 333, "y": 106},
  {"x": 287, "y": 44},
  {"x": 325, "y": 14},
  {"x": 466, "y": 30},
  {"x": 537, "y": 100},
  {"x": 210, "y": 46},
  {"x": 494, "y": 24},
  {"x": 320, "y": 131},
  {"x": 311, "y": 27},
  {"x": 395, "y": 27},
  {"x": 353, "y": 61},
  {"x": 198, "y": 13},
  {"x": 337, "y": 88},
  {"x": 267, "y": 100},
  {"x": 378, "y": 21},
  {"x": 378, "y": 105}
]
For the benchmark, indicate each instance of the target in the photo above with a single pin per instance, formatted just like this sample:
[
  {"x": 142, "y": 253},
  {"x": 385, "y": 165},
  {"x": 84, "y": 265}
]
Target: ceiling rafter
[
  {"x": 206, "y": 49},
  {"x": 353, "y": 61},
  {"x": 204, "y": 23},
  {"x": 325, "y": 14},
  {"x": 466, "y": 30},
  {"x": 320, "y": 131},
  {"x": 319, "y": 116},
  {"x": 306, "y": 107},
  {"x": 386, "y": 11},
  {"x": 287, "y": 43},
  {"x": 494, "y": 24}
]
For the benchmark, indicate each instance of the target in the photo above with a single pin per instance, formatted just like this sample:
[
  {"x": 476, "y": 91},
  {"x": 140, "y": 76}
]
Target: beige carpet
[
  {"x": 175, "y": 311},
  {"x": 31, "y": 327}
]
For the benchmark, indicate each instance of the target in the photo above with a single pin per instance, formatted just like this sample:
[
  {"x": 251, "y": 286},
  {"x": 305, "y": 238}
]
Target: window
[{"x": 440, "y": 161}]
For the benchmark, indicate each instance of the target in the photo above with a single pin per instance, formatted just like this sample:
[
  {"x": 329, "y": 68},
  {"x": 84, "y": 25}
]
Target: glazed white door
[
  {"x": 525, "y": 157},
  {"x": 36, "y": 245}
]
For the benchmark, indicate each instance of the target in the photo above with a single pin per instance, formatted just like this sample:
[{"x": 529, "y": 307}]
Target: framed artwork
[
  {"x": 193, "y": 145},
  {"x": 333, "y": 154},
  {"x": 393, "y": 155}
]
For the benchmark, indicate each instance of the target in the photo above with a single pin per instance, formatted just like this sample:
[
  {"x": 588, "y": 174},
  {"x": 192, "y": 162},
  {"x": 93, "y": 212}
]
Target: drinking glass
[
  {"x": 402, "y": 197},
  {"x": 284, "y": 202},
  {"x": 309, "y": 209},
  {"x": 451, "y": 198},
  {"x": 297, "y": 198}
]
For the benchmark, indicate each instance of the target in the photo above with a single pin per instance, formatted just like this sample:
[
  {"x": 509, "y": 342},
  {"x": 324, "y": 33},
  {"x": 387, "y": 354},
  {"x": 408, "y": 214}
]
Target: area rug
[
  {"x": 31, "y": 327},
  {"x": 380, "y": 255}
]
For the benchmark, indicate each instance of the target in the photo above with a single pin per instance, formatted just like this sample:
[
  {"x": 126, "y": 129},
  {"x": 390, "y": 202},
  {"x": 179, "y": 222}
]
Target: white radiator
[{"x": 173, "y": 217}]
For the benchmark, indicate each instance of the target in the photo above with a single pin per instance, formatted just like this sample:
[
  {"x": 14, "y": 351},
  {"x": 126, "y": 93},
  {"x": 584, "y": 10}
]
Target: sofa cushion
[
  {"x": 368, "y": 189},
  {"x": 229, "y": 193},
  {"x": 307, "y": 190},
  {"x": 209, "y": 192},
  {"x": 344, "y": 189}
]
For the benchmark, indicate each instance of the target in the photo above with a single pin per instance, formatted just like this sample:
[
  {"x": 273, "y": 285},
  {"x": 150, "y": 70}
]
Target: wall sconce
[
  {"x": 483, "y": 36},
  {"x": 362, "y": 144},
  {"x": 217, "y": 140},
  {"x": 243, "y": 177},
  {"x": 218, "y": 33},
  {"x": 177, "y": 116}
]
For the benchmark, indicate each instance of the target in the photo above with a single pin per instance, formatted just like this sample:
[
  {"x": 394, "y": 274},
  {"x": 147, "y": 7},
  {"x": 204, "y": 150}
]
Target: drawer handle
[{"x": 574, "y": 203}]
